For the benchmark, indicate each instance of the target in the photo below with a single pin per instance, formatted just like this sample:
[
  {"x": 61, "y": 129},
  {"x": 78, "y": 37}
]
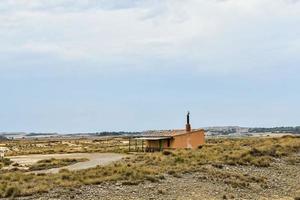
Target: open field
[
  {"x": 248, "y": 168},
  {"x": 65, "y": 145},
  {"x": 73, "y": 161}
]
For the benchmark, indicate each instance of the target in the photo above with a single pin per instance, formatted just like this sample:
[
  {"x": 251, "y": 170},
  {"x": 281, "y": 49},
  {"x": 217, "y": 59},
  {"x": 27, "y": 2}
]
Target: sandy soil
[
  {"x": 282, "y": 183},
  {"x": 94, "y": 160}
]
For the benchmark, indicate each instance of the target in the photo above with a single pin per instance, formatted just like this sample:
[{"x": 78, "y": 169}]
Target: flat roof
[
  {"x": 153, "y": 138},
  {"x": 170, "y": 133}
]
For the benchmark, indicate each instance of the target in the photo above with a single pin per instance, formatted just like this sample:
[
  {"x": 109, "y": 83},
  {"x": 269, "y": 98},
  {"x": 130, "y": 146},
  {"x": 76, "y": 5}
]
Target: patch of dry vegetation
[
  {"x": 55, "y": 163},
  {"x": 153, "y": 166},
  {"x": 4, "y": 162},
  {"x": 47, "y": 146},
  {"x": 232, "y": 178}
]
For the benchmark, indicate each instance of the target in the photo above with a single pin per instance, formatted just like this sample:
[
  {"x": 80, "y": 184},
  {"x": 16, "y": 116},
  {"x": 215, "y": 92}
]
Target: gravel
[{"x": 280, "y": 181}]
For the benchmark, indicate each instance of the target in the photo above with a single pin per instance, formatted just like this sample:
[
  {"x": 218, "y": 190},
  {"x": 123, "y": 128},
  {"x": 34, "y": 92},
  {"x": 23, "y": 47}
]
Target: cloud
[
  {"x": 67, "y": 5},
  {"x": 211, "y": 36}
]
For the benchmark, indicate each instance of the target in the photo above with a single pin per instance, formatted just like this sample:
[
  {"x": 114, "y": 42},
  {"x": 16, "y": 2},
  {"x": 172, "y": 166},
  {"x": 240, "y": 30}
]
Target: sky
[{"x": 109, "y": 65}]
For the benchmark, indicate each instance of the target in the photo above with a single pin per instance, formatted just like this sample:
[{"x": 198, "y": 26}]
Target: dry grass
[
  {"x": 232, "y": 178},
  {"x": 153, "y": 166},
  {"x": 4, "y": 162},
  {"x": 54, "y": 163},
  {"x": 46, "y": 146}
]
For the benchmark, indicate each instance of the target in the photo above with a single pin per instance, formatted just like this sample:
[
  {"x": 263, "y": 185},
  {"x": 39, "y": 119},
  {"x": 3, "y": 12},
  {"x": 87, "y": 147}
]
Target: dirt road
[{"x": 94, "y": 160}]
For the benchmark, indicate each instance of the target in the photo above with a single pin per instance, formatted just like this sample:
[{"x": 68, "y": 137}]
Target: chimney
[{"x": 188, "y": 126}]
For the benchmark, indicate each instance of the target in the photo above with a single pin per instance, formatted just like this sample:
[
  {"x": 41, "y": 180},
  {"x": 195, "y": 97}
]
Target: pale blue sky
[{"x": 95, "y": 65}]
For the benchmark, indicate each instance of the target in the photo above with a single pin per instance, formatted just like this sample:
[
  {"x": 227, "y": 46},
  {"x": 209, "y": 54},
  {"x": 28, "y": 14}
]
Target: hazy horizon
[
  {"x": 132, "y": 65},
  {"x": 99, "y": 131}
]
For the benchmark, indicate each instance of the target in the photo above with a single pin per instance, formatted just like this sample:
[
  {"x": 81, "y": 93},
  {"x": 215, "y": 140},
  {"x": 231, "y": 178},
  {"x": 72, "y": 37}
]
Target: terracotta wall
[{"x": 191, "y": 140}]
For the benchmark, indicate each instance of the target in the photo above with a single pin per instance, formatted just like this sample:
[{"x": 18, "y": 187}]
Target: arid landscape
[
  {"x": 149, "y": 99},
  {"x": 223, "y": 168}
]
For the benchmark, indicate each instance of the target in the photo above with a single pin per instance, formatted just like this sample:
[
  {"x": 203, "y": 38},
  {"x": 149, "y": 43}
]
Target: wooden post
[
  {"x": 129, "y": 144},
  {"x": 160, "y": 145}
]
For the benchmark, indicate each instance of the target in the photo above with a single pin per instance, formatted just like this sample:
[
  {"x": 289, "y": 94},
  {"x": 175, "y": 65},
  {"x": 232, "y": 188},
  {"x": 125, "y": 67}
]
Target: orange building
[{"x": 175, "y": 139}]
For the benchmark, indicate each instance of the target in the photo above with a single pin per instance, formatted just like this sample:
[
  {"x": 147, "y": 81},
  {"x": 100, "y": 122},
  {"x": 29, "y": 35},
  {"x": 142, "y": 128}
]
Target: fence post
[{"x": 129, "y": 144}]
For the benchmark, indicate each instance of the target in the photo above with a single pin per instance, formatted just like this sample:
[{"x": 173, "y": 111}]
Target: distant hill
[
  {"x": 119, "y": 133},
  {"x": 237, "y": 130},
  {"x": 40, "y": 134},
  {"x": 226, "y": 130},
  {"x": 293, "y": 130},
  {"x": 3, "y": 137}
]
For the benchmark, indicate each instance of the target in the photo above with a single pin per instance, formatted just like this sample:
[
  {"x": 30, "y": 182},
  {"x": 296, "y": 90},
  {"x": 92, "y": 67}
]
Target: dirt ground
[
  {"x": 94, "y": 159},
  {"x": 272, "y": 171},
  {"x": 282, "y": 182}
]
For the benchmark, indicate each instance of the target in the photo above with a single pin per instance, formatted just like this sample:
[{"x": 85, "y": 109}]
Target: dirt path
[{"x": 94, "y": 160}]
